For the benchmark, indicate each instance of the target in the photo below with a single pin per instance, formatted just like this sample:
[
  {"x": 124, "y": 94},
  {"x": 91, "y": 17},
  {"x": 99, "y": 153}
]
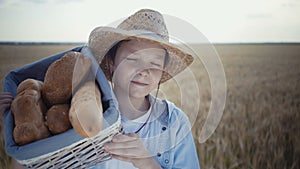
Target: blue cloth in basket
[{"x": 37, "y": 71}]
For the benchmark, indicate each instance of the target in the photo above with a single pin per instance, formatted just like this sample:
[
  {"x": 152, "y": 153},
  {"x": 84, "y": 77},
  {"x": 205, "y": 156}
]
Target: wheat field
[{"x": 260, "y": 126}]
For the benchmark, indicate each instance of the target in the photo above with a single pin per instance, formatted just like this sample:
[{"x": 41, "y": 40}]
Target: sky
[{"x": 227, "y": 21}]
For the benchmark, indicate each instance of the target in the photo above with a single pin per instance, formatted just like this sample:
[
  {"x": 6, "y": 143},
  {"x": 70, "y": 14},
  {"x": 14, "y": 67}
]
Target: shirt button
[
  {"x": 166, "y": 161},
  {"x": 163, "y": 128},
  {"x": 158, "y": 154}
]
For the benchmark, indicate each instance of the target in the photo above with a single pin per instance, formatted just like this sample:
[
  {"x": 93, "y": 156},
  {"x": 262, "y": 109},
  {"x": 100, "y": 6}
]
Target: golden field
[{"x": 260, "y": 126}]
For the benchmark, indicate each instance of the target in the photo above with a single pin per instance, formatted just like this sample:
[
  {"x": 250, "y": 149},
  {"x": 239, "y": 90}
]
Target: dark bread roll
[
  {"x": 57, "y": 118},
  {"x": 28, "y": 109},
  {"x": 63, "y": 76}
]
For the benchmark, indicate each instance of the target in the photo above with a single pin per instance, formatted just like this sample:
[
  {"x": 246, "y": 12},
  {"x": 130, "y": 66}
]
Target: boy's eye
[
  {"x": 131, "y": 59},
  {"x": 156, "y": 64}
]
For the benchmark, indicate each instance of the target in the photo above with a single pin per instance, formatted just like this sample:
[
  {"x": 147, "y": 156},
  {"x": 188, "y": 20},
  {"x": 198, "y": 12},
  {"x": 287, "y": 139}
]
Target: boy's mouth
[{"x": 139, "y": 83}]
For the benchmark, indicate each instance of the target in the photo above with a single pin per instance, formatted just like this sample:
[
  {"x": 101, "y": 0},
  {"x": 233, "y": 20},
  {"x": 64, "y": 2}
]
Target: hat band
[{"x": 152, "y": 35}]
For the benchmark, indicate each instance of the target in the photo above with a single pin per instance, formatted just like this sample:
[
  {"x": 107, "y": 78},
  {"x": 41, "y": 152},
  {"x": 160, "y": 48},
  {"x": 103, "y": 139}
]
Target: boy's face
[{"x": 137, "y": 68}]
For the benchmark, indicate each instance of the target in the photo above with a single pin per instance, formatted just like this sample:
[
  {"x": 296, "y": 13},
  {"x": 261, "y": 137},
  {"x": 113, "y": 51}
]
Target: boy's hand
[
  {"x": 5, "y": 101},
  {"x": 130, "y": 148}
]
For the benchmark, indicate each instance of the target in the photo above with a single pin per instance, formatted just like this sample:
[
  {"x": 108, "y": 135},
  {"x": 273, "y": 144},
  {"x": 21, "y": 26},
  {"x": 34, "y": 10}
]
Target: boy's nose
[
  {"x": 143, "y": 67},
  {"x": 144, "y": 72}
]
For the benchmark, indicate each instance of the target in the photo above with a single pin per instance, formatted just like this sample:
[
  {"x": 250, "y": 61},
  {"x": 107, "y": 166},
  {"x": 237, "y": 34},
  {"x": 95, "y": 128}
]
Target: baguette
[{"x": 86, "y": 110}]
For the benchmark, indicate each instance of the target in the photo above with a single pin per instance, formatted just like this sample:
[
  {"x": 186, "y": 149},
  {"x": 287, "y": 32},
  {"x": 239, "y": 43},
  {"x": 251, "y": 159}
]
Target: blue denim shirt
[{"x": 168, "y": 137}]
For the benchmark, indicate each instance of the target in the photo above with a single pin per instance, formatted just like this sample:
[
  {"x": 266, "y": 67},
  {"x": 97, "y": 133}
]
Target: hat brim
[{"x": 103, "y": 38}]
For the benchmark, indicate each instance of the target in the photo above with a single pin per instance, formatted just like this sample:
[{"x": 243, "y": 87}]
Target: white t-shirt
[{"x": 131, "y": 126}]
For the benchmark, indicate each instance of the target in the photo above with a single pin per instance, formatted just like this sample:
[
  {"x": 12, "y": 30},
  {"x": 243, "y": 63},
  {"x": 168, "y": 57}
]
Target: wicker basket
[
  {"x": 82, "y": 154},
  {"x": 68, "y": 149}
]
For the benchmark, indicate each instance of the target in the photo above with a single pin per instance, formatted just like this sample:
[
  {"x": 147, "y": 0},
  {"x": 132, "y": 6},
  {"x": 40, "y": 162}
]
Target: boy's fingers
[
  {"x": 120, "y": 145},
  {"x": 121, "y": 158},
  {"x": 6, "y": 93},
  {"x": 122, "y": 152},
  {"x": 124, "y": 138},
  {"x": 3, "y": 107},
  {"x": 5, "y": 101},
  {"x": 6, "y": 96},
  {"x": 133, "y": 135},
  {"x": 132, "y": 153}
]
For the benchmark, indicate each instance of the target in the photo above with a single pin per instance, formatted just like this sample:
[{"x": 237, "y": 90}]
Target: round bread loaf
[
  {"x": 57, "y": 118},
  {"x": 63, "y": 76},
  {"x": 86, "y": 110}
]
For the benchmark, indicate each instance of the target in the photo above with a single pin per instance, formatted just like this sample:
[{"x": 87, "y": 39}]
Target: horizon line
[{"x": 83, "y": 43}]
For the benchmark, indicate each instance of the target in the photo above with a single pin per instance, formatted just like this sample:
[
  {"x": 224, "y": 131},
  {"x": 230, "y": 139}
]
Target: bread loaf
[
  {"x": 28, "y": 109},
  {"x": 30, "y": 84},
  {"x": 57, "y": 118},
  {"x": 86, "y": 110},
  {"x": 63, "y": 75}
]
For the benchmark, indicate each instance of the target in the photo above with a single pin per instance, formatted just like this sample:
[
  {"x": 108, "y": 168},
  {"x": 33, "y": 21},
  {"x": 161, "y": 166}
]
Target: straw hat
[{"x": 148, "y": 25}]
